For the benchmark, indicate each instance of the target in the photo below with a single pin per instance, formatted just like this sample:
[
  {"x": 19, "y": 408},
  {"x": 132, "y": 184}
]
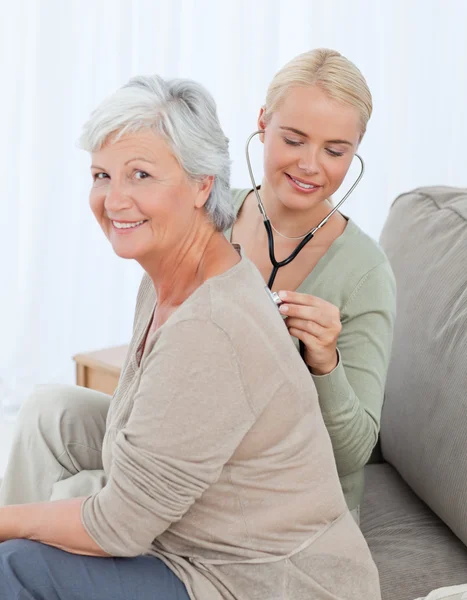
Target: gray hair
[{"x": 184, "y": 113}]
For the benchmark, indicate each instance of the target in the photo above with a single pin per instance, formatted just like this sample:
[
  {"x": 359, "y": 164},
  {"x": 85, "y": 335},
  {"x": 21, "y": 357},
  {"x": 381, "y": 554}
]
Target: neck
[
  {"x": 203, "y": 254},
  {"x": 289, "y": 222}
]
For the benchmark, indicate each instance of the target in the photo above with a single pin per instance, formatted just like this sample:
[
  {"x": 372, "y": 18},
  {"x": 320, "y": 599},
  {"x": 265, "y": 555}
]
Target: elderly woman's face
[{"x": 141, "y": 197}]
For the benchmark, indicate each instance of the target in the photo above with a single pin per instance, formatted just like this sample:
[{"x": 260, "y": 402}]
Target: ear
[
  {"x": 204, "y": 190},
  {"x": 262, "y": 122}
]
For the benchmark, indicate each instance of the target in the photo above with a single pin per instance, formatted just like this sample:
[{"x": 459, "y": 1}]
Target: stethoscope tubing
[{"x": 276, "y": 264}]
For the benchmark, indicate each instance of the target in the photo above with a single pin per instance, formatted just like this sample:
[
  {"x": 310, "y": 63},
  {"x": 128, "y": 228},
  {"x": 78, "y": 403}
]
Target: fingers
[
  {"x": 309, "y": 313},
  {"x": 312, "y": 328},
  {"x": 317, "y": 324},
  {"x": 302, "y": 299},
  {"x": 306, "y": 338},
  {"x": 306, "y": 306},
  {"x": 308, "y": 327},
  {"x": 320, "y": 350}
]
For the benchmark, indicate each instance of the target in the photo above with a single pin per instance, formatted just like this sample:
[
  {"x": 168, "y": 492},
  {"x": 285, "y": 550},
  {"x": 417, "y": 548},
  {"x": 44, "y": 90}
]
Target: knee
[
  {"x": 45, "y": 403},
  {"x": 21, "y": 563},
  {"x": 18, "y": 553},
  {"x": 15, "y": 548},
  {"x": 50, "y": 405}
]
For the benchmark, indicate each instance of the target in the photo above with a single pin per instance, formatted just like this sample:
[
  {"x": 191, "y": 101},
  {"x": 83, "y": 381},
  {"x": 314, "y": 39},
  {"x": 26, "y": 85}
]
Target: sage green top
[{"x": 354, "y": 275}]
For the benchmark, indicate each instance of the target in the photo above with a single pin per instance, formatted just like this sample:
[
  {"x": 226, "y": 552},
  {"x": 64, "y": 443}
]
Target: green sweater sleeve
[{"x": 351, "y": 396}]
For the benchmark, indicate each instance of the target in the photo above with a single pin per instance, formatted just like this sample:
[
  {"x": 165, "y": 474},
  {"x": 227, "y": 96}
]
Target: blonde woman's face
[{"x": 309, "y": 143}]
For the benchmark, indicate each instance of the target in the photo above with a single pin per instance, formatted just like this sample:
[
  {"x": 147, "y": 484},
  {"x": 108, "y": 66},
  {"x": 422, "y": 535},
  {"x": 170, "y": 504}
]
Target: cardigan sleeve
[
  {"x": 351, "y": 396},
  {"x": 189, "y": 414}
]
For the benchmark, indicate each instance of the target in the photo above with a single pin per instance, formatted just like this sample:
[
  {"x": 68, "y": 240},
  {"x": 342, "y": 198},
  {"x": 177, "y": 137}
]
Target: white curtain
[{"x": 62, "y": 290}]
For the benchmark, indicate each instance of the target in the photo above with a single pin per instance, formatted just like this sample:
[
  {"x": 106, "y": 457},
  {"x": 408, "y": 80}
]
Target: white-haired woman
[
  {"x": 215, "y": 474},
  {"x": 339, "y": 293}
]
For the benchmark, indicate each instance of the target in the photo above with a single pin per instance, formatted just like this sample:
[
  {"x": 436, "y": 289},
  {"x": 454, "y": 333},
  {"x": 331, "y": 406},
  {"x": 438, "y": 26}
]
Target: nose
[
  {"x": 309, "y": 160},
  {"x": 116, "y": 199}
]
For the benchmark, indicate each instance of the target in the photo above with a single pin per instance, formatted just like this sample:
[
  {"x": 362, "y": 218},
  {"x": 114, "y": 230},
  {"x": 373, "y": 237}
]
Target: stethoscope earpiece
[
  {"x": 263, "y": 210},
  {"x": 276, "y": 265}
]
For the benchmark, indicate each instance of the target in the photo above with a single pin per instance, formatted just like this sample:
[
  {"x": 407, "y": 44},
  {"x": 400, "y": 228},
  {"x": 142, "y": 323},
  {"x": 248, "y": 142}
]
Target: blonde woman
[{"x": 339, "y": 292}]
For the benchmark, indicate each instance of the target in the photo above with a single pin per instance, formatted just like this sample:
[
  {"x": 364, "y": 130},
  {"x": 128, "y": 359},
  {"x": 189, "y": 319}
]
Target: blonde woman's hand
[{"x": 317, "y": 324}]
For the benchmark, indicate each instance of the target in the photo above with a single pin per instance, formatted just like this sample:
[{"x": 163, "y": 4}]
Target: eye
[
  {"x": 334, "y": 152},
  {"x": 99, "y": 175},
  {"x": 141, "y": 175},
  {"x": 292, "y": 142}
]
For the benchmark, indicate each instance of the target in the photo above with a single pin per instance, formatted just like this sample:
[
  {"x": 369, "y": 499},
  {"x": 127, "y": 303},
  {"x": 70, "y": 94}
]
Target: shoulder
[
  {"x": 363, "y": 249},
  {"x": 145, "y": 301},
  {"x": 193, "y": 335},
  {"x": 212, "y": 310},
  {"x": 223, "y": 300},
  {"x": 236, "y": 303},
  {"x": 357, "y": 274},
  {"x": 372, "y": 284},
  {"x": 231, "y": 328},
  {"x": 375, "y": 291},
  {"x": 191, "y": 338},
  {"x": 238, "y": 197}
]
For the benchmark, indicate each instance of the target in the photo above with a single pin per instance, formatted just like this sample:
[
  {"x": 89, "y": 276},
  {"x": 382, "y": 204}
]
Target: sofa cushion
[
  {"x": 412, "y": 548},
  {"x": 424, "y": 420}
]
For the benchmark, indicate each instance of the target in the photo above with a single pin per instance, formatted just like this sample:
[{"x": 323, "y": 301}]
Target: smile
[
  {"x": 127, "y": 225},
  {"x": 306, "y": 187}
]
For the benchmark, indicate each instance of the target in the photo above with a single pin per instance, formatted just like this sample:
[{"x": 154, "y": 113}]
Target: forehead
[
  {"x": 145, "y": 144},
  {"x": 312, "y": 111}
]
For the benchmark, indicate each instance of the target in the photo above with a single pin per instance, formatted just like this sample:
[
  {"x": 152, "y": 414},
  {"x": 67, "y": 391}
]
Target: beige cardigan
[{"x": 217, "y": 457}]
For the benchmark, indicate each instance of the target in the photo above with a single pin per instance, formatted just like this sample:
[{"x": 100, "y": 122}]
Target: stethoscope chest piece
[
  {"x": 274, "y": 296},
  {"x": 276, "y": 264}
]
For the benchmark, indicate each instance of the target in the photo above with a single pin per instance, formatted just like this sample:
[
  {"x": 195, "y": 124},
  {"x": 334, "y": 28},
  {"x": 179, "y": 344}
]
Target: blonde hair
[{"x": 337, "y": 76}]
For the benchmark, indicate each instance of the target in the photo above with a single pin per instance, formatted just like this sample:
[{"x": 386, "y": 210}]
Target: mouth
[
  {"x": 127, "y": 225},
  {"x": 302, "y": 185}
]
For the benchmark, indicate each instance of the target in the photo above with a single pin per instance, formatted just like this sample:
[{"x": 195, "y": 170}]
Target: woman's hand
[{"x": 317, "y": 324}]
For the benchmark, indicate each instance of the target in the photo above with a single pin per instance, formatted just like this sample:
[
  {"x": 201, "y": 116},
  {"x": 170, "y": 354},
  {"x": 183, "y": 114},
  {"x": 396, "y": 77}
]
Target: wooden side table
[{"x": 100, "y": 370}]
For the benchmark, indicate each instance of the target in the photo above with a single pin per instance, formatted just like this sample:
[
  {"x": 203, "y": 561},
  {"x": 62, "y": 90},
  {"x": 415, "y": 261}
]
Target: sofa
[{"x": 414, "y": 512}]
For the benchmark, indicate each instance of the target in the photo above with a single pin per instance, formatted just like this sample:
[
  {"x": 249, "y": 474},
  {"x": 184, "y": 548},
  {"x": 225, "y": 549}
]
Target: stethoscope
[{"x": 276, "y": 264}]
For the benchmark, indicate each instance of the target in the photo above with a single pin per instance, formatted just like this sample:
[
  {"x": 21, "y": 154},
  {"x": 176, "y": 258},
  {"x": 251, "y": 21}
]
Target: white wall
[{"x": 62, "y": 290}]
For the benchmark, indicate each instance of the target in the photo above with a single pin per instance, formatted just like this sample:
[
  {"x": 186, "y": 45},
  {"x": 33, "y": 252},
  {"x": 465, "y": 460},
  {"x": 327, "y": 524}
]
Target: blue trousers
[{"x": 34, "y": 571}]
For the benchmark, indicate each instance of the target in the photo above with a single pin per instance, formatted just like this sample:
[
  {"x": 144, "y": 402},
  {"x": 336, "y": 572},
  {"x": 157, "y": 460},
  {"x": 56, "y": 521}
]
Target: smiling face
[
  {"x": 309, "y": 143},
  {"x": 141, "y": 196}
]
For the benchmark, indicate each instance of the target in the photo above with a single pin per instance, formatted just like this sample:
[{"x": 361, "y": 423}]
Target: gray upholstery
[
  {"x": 424, "y": 421},
  {"x": 413, "y": 550}
]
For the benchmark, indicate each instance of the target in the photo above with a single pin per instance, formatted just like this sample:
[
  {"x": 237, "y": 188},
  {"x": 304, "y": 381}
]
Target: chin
[
  {"x": 295, "y": 201},
  {"x": 128, "y": 253}
]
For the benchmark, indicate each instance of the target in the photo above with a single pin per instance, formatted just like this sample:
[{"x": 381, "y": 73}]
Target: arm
[
  {"x": 347, "y": 353},
  {"x": 54, "y": 523},
  {"x": 188, "y": 416},
  {"x": 351, "y": 396}
]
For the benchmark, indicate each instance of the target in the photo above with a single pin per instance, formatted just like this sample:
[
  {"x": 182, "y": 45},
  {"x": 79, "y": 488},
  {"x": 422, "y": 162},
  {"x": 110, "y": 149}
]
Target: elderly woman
[{"x": 218, "y": 474}]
